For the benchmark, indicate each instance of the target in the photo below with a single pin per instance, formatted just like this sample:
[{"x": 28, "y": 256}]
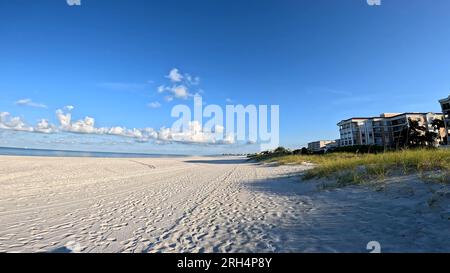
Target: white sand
[{"x": 208, "y": 205}]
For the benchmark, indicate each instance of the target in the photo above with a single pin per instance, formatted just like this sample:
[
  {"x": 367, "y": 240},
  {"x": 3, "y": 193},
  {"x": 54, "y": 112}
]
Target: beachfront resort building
[
  {"x": 445, "y": 104},
  {"x": 351, "y": 131},
  {"x": 321, "y": 145},
  {"x": 385, "y": 130}
]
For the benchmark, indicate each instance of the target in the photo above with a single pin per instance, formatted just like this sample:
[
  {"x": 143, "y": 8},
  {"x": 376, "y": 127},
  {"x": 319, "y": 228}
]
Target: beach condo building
[
  {"x": 385, "y": 130},
  {"x": 332, "y": 145},
  {"x": 445, "y": 104},
  {"x": 321, "y": 145},
  {"x": 397, "y": 124},
  {"x": 354, "y": 131}
]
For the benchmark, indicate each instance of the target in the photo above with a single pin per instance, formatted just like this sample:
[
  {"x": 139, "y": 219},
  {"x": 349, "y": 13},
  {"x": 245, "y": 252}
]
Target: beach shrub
[{"x": 355, "y": 168}]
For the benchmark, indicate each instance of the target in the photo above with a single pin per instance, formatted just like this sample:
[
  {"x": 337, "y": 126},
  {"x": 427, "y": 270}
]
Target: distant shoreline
[{"x": 7, "y": 151}]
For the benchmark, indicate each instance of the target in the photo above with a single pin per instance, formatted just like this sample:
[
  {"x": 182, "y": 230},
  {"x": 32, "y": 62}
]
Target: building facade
[
  {"x": 351, "y": 131},
  {"x": 385, "y": 130},
  {"x": 445, "y": 105},
  {"x": 321, "y": 145}
]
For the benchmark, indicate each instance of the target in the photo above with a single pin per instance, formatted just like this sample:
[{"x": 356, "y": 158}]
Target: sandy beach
[{"x": 209, "y": 204}]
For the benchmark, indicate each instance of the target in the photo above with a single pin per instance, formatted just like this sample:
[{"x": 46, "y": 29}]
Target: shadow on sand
[
  {"x": 220, "y": 161},
  {"x": 284, "y": 185},
  {"x": 347, "y": 219},
  {"x": 60, "y": 250}
]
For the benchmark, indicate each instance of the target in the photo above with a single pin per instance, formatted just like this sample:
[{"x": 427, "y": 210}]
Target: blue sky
[{"x": 321, "y": 61}]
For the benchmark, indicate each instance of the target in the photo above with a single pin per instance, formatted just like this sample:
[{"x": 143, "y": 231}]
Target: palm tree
[
  {"x": 438, "y": 125},
  {"x": 416, "y": 135}
]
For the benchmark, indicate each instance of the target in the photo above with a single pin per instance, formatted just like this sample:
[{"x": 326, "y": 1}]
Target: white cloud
[
  {"x": 161, "y": 88},
  {"x": 122, "y": 131},
  {"x": 73, "y": 2},
  {"x": 196, "y": 135},
  {"x": 117, "y": 131},
  {"x": 45, "y": 127},
  {"x": 193, "y": 135},
  {"x": 85, "y": 126},
  {"x": 175, "y": 76},
  {"x": 192, "y": 80},
  {"x": 150, "y": 132},
  {"x": 69, "y": 107},
  {"x": 179, "y": 85},
  {"x": 180, "y": 92},
  {"x": 31, "y": 103},
  {"x": 165, "y": 134},
  {"x": 177, "y": 91},
  {"x": 23, "y": 102},
  {"x": 64, "y": 119},
  {"x": 13, "y": 123},
  {"x": 154, "y": 104},
  {"x": 17, "y": 124},
  {"x": 137, "y": 133}
]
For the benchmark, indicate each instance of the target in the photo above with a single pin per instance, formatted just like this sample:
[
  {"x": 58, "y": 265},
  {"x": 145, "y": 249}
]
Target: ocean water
[{"x": 58, "y": 153}]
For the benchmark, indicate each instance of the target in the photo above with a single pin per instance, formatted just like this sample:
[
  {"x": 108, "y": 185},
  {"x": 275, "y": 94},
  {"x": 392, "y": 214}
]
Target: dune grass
[{"x": 347, "y": 168}]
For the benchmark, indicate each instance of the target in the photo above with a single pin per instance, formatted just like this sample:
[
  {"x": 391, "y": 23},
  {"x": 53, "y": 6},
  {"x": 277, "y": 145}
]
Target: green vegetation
[
  {"x": 416, "y": 135},
  {"x": 351, "y": 168}
]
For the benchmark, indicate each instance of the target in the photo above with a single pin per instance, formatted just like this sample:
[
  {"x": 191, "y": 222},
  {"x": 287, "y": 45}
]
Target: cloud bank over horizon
[{"x": 194, "y": 135}]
